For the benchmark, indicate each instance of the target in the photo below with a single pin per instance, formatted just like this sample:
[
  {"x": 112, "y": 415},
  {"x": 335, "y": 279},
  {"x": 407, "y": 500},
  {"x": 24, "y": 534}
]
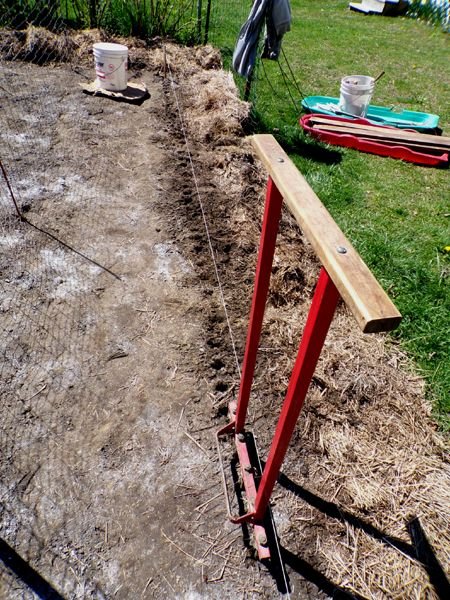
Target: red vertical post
[
  {"x": 272, "y": 214},
  {"x": 321, "y": 313}
]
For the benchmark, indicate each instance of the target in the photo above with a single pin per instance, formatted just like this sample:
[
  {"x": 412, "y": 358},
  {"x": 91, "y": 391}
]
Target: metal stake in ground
[{"x": 5, "y": 176}]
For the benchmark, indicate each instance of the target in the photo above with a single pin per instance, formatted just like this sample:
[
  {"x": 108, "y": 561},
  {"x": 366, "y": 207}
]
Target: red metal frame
[
  {"x": 271, "y": 219},
  {"x": 325, "y": 300},
  {"x": 319, "y": 320}
]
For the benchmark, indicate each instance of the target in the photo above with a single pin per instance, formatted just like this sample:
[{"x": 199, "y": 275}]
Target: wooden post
[{"x": 248, "y": 87}]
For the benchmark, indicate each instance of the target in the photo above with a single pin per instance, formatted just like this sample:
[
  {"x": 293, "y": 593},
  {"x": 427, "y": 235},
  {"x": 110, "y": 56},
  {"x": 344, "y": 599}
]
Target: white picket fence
[{"x": 432, "y": 10}]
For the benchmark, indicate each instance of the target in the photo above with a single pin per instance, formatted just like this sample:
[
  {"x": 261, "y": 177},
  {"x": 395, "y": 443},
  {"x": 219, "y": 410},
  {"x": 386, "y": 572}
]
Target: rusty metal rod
[{"x": 5, "y": 176}]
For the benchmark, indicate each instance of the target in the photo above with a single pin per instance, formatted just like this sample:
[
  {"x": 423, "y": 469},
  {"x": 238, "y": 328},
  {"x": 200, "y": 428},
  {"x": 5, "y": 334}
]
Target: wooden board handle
[{"x": 362, "y": 293}]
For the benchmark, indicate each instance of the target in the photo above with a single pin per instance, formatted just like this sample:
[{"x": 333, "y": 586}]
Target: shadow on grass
[
  {"x": 294, "y": 141},
  {"x": 312, "y": 150}
]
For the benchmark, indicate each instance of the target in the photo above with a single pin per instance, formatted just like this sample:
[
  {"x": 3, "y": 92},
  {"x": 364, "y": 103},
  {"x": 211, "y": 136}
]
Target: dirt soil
[{"x": 117, "y": 360}]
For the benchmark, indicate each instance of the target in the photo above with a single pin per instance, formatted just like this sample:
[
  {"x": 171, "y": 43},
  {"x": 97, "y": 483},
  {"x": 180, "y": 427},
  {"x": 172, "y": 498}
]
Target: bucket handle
[{"x": 124, "y": 59}]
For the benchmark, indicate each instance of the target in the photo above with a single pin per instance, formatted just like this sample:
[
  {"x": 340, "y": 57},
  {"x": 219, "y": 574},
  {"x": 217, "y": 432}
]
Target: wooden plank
[
  {"x": 378, "y": 136},
  {"x": 362, "y": 293},
  {"x": 380, "y": 7},
  {"x": 382, "y": 140},
  {"x": 416, "y": 147},
  {"x": 388, "y": 131},
  {"x": 426, "y": 137},
  {"x": 364, "y": 7},
  {"x": 391, "y": 132},
  {"x": 412, "y": 145}
]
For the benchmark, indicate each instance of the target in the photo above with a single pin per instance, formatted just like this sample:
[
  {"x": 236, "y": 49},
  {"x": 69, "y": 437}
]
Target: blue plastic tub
[{"x": 378, "y": 115}]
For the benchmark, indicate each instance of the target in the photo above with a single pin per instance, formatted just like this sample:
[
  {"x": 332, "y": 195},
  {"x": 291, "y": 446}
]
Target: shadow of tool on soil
[
  {"x": 420, "y": 549},
  {"x": 23, "y": 571}
]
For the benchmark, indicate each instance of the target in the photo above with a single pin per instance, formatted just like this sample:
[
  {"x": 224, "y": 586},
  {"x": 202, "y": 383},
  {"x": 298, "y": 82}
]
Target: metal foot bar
[{"x": 249, "y": 485}]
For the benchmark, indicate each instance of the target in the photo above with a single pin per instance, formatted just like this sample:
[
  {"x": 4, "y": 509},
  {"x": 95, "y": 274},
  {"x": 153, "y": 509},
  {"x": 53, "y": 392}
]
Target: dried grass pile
[
  {"x": 43, "y": 47},
  {"x": 37, "y": 45},
  {"x": 366, "y": 467}
]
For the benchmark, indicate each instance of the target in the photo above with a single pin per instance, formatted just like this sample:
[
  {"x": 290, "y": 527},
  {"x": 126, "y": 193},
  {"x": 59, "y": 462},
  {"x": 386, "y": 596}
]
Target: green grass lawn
[{"x": 395, "y": 213}]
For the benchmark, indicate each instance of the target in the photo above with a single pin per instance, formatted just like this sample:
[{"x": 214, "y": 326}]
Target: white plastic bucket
[
  {"x": 356, "y": 94},
  {"x": 111, "y": 62}
]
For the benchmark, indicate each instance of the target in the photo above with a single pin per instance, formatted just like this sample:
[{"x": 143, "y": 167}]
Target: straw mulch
[
  {"x": 367, "y": 471},
  {"x": 43, "y": 47}
]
